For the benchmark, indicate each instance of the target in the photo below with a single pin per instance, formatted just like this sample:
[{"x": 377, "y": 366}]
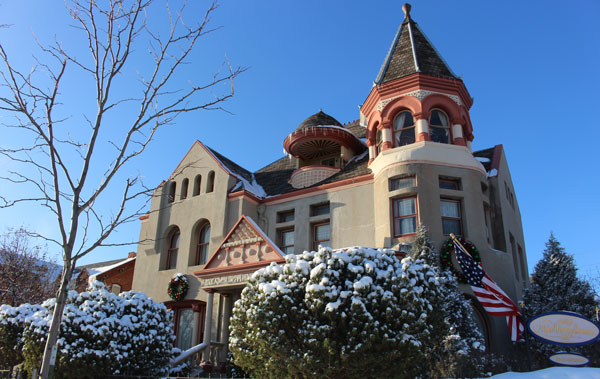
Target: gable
[
  {"x": 245, "y": 248},
  {"x": 197, "y": 152}
]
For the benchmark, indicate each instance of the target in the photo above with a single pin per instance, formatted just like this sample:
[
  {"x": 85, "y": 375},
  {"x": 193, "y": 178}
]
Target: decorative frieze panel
[{"x": 419, "y": 94}]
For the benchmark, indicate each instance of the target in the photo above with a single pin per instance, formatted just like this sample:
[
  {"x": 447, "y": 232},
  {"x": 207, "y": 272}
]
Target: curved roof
[{"x": 319, "y": 119}]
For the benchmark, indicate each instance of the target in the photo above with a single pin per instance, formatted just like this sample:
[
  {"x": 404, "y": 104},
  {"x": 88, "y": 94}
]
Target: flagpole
[{"x": 456, "y": 241}]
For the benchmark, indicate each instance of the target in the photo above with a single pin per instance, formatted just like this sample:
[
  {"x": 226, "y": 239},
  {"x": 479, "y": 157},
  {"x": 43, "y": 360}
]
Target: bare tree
[
  {"x": 62, "y": 165},
  {"x": 26, "y": 274}
]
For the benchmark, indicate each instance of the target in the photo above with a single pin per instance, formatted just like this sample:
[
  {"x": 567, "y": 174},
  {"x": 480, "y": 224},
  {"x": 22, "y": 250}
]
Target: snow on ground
[{"x": 554, "y": 372}]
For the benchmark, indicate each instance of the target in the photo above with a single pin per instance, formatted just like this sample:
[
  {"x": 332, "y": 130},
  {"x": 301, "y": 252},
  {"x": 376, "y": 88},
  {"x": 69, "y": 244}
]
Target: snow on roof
[
  {"x": 252, "y": 187},
  {"x": 492, "y": 172},
  {"x": 94, "y": 272}
]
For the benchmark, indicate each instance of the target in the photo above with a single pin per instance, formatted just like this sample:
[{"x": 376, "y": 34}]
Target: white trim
[{"x": 426, "y": 151}]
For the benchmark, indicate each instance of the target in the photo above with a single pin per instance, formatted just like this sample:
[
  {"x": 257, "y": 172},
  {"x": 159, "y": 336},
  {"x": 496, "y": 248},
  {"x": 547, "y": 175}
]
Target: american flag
[{"x": 491, "y": 297}]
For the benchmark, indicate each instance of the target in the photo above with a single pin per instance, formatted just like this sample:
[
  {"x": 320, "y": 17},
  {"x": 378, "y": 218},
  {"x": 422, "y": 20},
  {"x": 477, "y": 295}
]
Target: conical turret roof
[
  {"x": 319, "y": 119},
  {"x": 412, "y": 52}
]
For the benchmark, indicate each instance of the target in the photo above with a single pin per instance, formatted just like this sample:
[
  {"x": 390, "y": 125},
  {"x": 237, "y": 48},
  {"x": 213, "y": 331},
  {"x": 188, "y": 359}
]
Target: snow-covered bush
[
  {"x": 359, "y": 312},
  {"x": 458, "y": 346},
  {"x": 556, "y": 287},
  {"x": 12, "y": 322},
  {"x": 104, "y": 334}
]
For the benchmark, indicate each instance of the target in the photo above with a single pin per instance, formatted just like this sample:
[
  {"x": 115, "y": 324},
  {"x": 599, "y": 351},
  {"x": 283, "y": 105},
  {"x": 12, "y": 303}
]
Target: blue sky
[{"x": 531, "y": 66}]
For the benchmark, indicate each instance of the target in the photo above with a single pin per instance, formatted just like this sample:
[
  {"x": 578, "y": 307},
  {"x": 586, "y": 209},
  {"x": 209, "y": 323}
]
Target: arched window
[
  {"x": 172, "y": 249},
  {"x": 197, "y": 182},
  {"x": 439, "y": 127},
  {"x": 210, "y": 183},
  {"x": 172, "y": 188},
  {"x": 203, "y": 242},
  {"x": 378, "y": 140},
  {"x": 404, "y": 129},
  {"x": 184, "y": 188}
]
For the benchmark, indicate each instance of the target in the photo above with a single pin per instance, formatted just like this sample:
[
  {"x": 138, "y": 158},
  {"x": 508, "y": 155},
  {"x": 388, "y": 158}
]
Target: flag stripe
[{"x": 492, "y": 298}]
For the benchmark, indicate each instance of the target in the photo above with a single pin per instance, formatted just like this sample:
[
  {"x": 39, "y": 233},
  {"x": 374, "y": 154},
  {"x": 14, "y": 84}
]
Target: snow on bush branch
[
  {"x": 356, "y": 312},
  {"x": 104, "y": 333}
]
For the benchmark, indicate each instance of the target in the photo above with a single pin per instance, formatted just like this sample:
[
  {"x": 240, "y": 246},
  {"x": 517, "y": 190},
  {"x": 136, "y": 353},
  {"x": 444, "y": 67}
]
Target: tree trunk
[{"x": 49, "y": 357}]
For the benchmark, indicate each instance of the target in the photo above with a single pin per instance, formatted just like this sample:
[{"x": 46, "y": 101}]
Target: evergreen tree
[
  {"x": 458, "y": 346},
  {"x": 556, "y": 287}
]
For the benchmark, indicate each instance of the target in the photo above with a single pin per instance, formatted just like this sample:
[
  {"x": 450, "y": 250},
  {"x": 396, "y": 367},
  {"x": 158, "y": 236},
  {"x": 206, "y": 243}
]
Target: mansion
[{"x": 407, "y": 160}]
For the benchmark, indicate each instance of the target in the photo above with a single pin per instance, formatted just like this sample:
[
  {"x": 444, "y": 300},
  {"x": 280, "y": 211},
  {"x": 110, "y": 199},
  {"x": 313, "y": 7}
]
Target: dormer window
[
  {"x": 404, "y": 129},
  {"x": 439, "y": 127}
]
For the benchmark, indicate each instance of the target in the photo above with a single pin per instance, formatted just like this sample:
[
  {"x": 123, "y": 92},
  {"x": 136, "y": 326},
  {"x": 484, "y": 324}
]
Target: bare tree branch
[{"x": 64, "y": 165}]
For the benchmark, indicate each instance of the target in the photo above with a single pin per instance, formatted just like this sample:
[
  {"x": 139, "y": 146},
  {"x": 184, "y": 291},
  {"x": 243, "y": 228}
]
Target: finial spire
[{"x": 406, "y": 10}]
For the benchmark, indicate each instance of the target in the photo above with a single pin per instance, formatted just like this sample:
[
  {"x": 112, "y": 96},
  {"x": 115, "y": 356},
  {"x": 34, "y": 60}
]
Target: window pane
[
  {"x": 451, "y": 226},
  {"x": 287, "y": 238},
  {"x": 450, "y": 209},
  {"x": 185, "y": 328},
  {"x": 403, "y": 207},
  {"x": 405, "y": 137},
  {"x": 203, "y": 254},
  {"x": 172, "y": 258},
  {"x": 322, "y": 232},
  {"x": 449, "y": 184},
  {"x": 403, "y": 120},
  {"x": 318, "y": 210},
  {"x": 407, "y": 225},
  {"x": 438, "y": 134},
  {"x": 324, "y": 243},
  {"x": 174, "y": 241},
  {"x": 438, "y": 118},
  {"x": 205, "y": 234},
  {"x": 401, "y": 183},
  {"x": 288, "y": 250}
]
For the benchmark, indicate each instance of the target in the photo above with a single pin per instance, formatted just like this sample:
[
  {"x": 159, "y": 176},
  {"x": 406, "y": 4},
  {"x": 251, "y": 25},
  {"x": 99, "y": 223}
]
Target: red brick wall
[{"x": 121, "y": 275}]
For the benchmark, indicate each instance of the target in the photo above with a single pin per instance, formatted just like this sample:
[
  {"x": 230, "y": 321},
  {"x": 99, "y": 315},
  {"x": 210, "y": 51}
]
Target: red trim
[
  {"x": 207, "y": 271},
  {"x": 415, "y": 215},
  {"x": 498, "y": 150},
  {"x": 414, "y": 82},
  {"x": 423, "y": 136},
  {"x": 292, "y": 142},
  {"x": 357, "y": 179},
  {"x": 280, "y": 237},
  {"x": 315, "y": 242},
  {"x": 173, "y": 250},
  {"x": 459, "y": 218},
  {"x": 248, "y": 267},
  {"x": 244, "y": 193},
  {"x": 460, "y": 141}
]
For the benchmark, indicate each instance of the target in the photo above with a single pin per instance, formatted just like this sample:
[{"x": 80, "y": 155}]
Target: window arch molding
[
  {"x": 200, "y": 243},
  {"x": 396, "y": 106},
  {"x": 171, "y": 247},
  {"x": 444, "y": 103},
  {"x": 373, "y": 125}
]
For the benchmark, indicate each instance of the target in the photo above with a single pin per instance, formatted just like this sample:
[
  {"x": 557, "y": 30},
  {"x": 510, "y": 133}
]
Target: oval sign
[
  {"x": 569, "y": 359},
  {"x": 563, "y": 328}
]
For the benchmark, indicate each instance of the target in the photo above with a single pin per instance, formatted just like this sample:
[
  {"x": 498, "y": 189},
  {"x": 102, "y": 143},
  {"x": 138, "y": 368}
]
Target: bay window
[{"x": 404, "y": 214}]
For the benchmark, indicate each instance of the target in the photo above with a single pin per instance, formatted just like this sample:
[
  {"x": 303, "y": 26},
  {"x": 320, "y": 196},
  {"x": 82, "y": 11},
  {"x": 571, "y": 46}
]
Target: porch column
[
  {"x": 224, "y": 338},
  {"x": 196, "y": 309},
  {"x": 208, "y": 322}
]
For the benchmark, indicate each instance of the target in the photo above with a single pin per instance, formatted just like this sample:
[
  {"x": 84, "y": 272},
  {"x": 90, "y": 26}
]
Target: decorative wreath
[
  {"x": 446, "y": 257},
  {"x": 178, "y": 287}
]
